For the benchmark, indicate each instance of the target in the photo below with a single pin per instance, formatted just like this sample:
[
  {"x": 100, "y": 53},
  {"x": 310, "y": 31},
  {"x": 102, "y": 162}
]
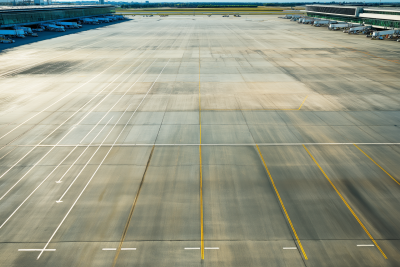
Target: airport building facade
[
  {"x": 27, "y": 15},
  {"x": 378, "y": 17}
]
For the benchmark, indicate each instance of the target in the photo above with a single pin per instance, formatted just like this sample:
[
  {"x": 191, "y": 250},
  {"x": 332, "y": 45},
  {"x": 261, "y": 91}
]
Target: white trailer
[
  {"x": 103, "y": 20},
  {"x": 27, "y": 31},
  {"x": 307, "y": 21},
  {"x": 295, "y": 18},
  {"x": 17, "y": 33},
  {"x": 111, "y": 18},
  {"x": 69, "y": 25},
  {"x": 319, "y": 23},
  {"x": 338, "y": 26},
  {"x": 360, "y": 29},
  {"x": 38, "y": 29},
  {"x": 90, "y": 21},
  {"x": 385, "y": 34},
  {"x": 54, "y": 28}
]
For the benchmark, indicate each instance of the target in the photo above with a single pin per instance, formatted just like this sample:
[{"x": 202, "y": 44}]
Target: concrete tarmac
[{"x": 200, "y": 141}]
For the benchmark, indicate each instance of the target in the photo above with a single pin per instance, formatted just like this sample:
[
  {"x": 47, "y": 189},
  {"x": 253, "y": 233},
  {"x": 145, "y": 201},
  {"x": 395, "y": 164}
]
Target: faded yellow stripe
[
  {"x": 302, "y": 102},
  {"x": 377, "y": 164},
  {"x": 283, "y": 206},
  {"x": 201, "y": 174},
  {"x": 132, "y": 209},
  {"x": 347, "y": 204}
]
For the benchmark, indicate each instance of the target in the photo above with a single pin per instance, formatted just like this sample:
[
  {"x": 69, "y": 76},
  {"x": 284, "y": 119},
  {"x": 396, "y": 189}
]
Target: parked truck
[
  {"x": 385, "y": 34},
  {"x": 90, "y": 21},
  {"x": 295, "y": 17},
  {"x": 54, "y": 27},
  {"x": 359, "y": 29},
  {"x": 308, "y": 21},
  {"x": 13, "y": 33},
  {"x": 338, "y": 26},
  {"x": 69, "y": 25},
  {"x": 27, "y": 31},
  {"x": 319, "y": 23}
]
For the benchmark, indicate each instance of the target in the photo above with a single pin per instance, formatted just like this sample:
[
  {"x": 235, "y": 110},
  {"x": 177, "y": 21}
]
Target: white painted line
[
  {"x": 191, "y": 248},
  {"x": 80, "y": 172},
  {"x": 80, "y": 194},
  {"x": 59, "y": 201},
  {"x": 250, "y": 144},
  {"x": 212, "y": 248},
  {"x": 62, "y": 99},
  {"x": 68, "y": 119},
  {"x": 98, "y": 167},
  {"x": 83, "y": 152},
  {"x": 368, "y": 245},
  {"x": 289, "y": 247},
  {"x": 21, "y": 249},
  {"x": 109, "y": 249}
]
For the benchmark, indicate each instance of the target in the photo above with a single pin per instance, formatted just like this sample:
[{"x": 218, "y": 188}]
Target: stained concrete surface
[{"x": 100, "y": 135}]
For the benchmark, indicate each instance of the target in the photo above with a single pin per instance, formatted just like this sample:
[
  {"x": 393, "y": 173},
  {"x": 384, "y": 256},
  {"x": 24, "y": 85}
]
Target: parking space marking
[
  {"x": 289, "y": 247},
  {"x": 377, "y": 164},
  {"x": 113, "y": 249},
  {"x": 345, "y": 202},
  {"x": 282, "y": 205},
  {"x": 370, "y": 245},
  {"x": 36, "y": 249},
  {"x": 191, "y": 248}
]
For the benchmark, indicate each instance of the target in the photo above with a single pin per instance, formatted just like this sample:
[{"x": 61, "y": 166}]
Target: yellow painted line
[
  {"x": 132, "y": 209},
  {"x": 377, "y": 165},
  {"x": 201, "y": 174},
  {"x": 345, "y": 202},
  {"x": 303, "y": 102},
  {"x": 283, "y": 206}
]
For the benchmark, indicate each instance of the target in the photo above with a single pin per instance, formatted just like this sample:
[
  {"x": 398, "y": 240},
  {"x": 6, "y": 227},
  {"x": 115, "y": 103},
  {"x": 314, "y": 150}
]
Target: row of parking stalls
[
  {"x": 57, "y": 26},
  {"x": 347, "y": 27}
]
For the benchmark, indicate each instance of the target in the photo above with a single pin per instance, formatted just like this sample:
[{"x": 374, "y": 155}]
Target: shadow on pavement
[{"x": 50, "y": 35}]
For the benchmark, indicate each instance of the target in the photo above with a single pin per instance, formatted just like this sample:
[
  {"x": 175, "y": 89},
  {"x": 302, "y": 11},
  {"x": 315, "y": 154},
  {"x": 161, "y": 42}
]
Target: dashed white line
[
  {"x": 366, "y": 245},
  {"x": 289, "y": 247}
]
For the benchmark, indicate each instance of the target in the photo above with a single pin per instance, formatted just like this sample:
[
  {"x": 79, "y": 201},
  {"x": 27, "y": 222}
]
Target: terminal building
[
  {"x": 377, "y": 17},
  {"x": 29, "y": 15}
]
